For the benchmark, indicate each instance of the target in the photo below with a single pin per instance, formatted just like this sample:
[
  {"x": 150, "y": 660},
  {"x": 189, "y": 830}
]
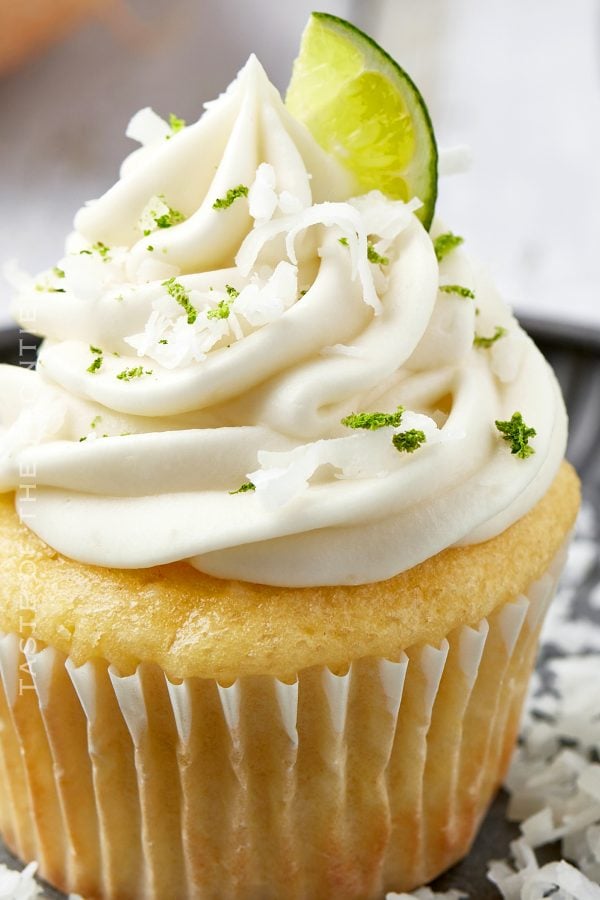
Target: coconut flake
[
  {"x": 147, "y": 127},
  {"x": 264, "y": 200},
  {"x": 19, "y": 885},
  {"x": 342, "y": 215},
  {"x": 262, "y": 302},
  {"x": 384, "y": 217},
  {"x": 284, "y": 475},
  {"x": 454, "y": 160},
  {"x": 262, "y": 196},
  {"x": 359, "y": 218},
  {"x": 172, "y": 341}
]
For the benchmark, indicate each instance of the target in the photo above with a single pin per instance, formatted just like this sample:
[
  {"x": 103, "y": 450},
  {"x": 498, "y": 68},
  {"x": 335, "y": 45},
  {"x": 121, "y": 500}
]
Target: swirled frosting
[{"x": 217, "y": 314}]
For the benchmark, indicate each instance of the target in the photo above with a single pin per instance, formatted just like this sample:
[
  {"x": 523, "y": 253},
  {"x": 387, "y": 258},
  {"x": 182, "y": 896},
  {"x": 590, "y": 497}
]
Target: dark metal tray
[{"x": 574, "y": 353}]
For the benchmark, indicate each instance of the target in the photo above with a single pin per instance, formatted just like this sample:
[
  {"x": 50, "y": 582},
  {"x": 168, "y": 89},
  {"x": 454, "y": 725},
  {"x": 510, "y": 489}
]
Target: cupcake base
[{"x": 338, "y": 786}]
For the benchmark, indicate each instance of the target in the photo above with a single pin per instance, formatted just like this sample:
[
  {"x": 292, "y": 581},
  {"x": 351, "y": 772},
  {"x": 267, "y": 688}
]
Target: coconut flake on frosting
[
  {"x": 357, "y": 220},
  {"x": 284, "y": 476},
  {"x": 264, "y": 200},
  {"x": 173, "y": 341},
  {"x": 147, "y": 127}
]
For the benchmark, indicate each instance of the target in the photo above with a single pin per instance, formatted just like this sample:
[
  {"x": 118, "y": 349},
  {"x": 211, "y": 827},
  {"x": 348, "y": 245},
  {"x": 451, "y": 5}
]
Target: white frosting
[{"x": 272, "y": 326}]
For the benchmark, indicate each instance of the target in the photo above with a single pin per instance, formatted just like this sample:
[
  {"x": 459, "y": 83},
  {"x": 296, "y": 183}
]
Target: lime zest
[
  {"x": 517, "y": 434},
  {"x": 373, "y": 421},
  {"x": 177, "y": 291},
  {"x": 231, "y": 196},
  {"x": 244, "y": 488},
  {"x": 486, "y": 342},
  {"x": 375, "y": 257},
  {"x": 443, "y": 244},
  {"x": 135, "y": 372},
  {"x": 175, "y": 123},
  {"x": 457, "y": 289},
  {"x": 409, "y": 441},
  {"x": 220, "y": 311},
  {"x": 95, "y": 365}
]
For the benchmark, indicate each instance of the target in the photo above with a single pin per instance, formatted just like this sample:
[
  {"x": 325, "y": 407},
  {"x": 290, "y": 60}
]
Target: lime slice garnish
[{"x": 364, "y": 110}]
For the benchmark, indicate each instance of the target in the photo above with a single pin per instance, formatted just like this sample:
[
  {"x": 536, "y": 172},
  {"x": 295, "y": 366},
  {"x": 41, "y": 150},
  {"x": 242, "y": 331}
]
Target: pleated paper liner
[{"x": 335, "y": 787}]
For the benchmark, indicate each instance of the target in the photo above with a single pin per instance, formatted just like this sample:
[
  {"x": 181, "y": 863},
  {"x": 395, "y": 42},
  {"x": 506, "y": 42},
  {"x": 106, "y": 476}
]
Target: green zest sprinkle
[
  {"x": 232, "y": 291},
  {"x": 409, "y": 441},
  {"x": 373, "y": 421},
  {"x": 343, "y": 241},
  {"x": 457, "y": 289},
  {"x": 517, "y": 434},
  {"x": 149, "y": 248},
  {"x": 102, "y": 249},
  {"x": 445, "y": 243},
  {"x": 485, "y": 342},
  {"x": 374, "y": 256},
  {"x": 180, "y": 294},
  {"x": 220, "y": 311},
  {"x": 95, "y": 421},
  {"x": 244, "y": 488},
  {"x": 175, "y": 123},
  {"x": 49, "y": 289},
  {"x": 97, "y": 363},
  {"x": 230, "y": 197},
  {"x": 129, "y": 374},
  {"x": 58, "y": 272},
  {"x": 166, "y": 220},
  {"x": 82, "y": 439},
  {"x": 163, "y": 341}
]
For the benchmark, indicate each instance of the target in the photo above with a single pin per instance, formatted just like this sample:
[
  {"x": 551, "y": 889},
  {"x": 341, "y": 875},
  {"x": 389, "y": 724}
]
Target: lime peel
[{"x": 366, "y": 111}]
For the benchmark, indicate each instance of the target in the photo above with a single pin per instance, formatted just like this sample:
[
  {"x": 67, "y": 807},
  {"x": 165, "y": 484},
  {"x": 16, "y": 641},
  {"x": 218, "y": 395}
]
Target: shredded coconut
[
  {"x": 454, "y": 160},
  {"x": 147, "y": 127},
  {"x": 264, "y": 200},
  {"x": 284, "y": 476},
  {"x": 173, "y": 341},
  {"x": 19, "y": 885},
  {"x": 372, "y": 214},
  {"x": 554, "y": 779}
]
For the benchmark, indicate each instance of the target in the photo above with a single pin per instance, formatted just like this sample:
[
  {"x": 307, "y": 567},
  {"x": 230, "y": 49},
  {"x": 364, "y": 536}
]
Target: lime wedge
[{"x": 363, "y": 109}]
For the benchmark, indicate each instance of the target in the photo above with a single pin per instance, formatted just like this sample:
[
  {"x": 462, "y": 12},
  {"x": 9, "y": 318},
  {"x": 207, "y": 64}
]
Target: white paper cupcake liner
[{"x": 336, "y": 786}]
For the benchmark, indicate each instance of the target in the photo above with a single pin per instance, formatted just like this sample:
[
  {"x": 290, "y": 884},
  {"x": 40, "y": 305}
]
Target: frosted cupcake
[{"x": 290, "y": 504}]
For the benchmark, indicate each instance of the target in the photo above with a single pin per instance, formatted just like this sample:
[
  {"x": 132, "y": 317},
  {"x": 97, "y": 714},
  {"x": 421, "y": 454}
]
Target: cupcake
[{"x": 285, "y": 503}]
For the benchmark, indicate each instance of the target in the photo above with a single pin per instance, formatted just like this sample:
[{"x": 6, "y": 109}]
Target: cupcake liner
[{"x": 337, "y": 785}]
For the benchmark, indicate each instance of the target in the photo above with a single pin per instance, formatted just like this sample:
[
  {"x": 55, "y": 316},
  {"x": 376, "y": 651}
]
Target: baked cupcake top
[{"x": 250, "y": 365}]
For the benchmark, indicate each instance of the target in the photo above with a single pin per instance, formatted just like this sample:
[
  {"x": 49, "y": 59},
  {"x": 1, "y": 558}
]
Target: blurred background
[{"x": 518, "y": 82}]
